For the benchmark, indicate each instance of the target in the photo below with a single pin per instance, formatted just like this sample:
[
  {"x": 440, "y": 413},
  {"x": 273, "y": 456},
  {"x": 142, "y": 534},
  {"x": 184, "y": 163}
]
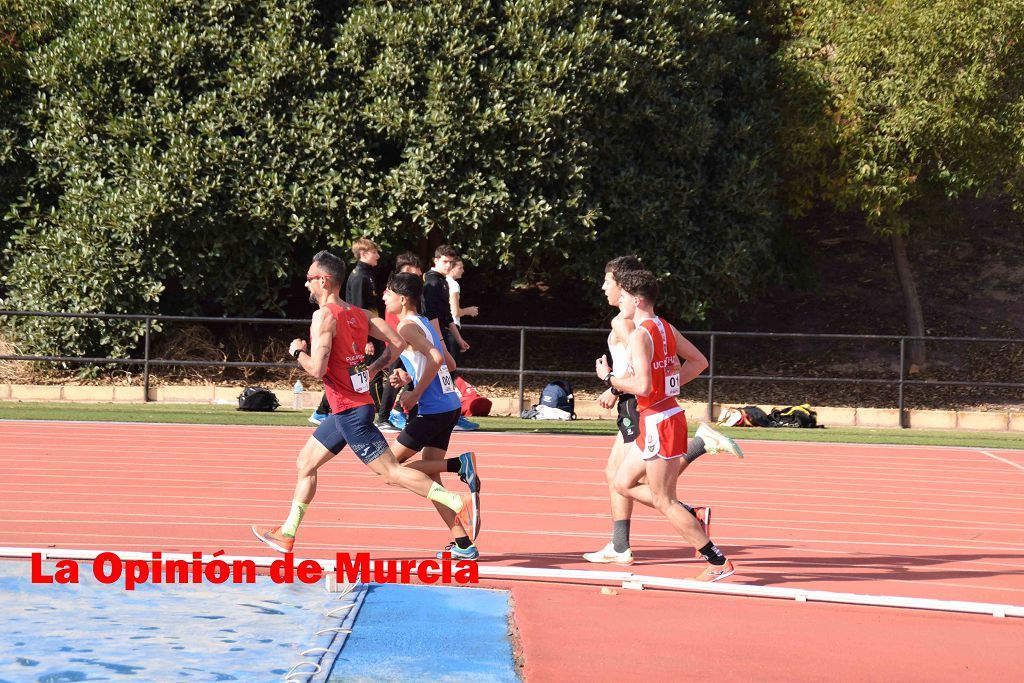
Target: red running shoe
[{"x": 273, "y": 537}]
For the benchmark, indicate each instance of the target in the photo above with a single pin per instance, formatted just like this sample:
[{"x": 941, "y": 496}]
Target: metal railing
[{"x": 901, "y": 382}]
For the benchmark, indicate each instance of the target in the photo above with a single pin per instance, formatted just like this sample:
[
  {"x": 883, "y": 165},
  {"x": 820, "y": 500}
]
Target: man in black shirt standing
[
  {"x": 436, "y": 302},
  {"x": 437, "y": 305}
]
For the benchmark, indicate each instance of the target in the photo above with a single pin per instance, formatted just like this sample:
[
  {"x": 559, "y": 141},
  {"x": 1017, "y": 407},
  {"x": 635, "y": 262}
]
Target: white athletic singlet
[{"x": 620, "y": 356}]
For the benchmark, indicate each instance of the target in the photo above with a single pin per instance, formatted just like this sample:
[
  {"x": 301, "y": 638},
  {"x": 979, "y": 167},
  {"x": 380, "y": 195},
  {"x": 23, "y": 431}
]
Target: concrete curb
[{"x": 971, "y": 420}]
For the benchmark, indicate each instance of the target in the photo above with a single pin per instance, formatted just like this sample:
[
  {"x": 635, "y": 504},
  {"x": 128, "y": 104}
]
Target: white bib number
[
  {"x": 447, "y": 384},
  {"x": 672, "y": 379},
  {"x": 360, "y": 376}
]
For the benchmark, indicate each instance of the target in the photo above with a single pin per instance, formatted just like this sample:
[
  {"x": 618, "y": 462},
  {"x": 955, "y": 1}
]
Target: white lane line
[{"x": 996, "y": 457}]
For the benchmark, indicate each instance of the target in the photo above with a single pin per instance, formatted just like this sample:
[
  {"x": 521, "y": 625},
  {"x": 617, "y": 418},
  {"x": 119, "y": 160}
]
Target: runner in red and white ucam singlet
[
  {"x": 655, "y": 348},
  {"x": 662, "y": 420}
]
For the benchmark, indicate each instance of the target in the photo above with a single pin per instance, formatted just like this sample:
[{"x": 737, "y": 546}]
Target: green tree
[
  {"x": 186, "y": 150},
  {"x": 927, "y": 106},
  {"x": 24, "y": 27},
  {"x": 184, "y": 144},
  {"x": 547, "y": 137}
]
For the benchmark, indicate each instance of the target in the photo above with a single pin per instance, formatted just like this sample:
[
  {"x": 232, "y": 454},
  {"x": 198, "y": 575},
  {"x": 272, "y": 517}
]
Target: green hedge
[{"x": 203, "y": 147}]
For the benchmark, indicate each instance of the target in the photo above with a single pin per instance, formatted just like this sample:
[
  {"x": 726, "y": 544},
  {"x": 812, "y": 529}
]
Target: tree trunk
[{"x": 911, "y": 303}]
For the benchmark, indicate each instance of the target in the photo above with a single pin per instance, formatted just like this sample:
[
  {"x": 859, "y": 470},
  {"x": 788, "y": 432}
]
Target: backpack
[
  {"x": 757, "y": 417},
  {"x": 257, "y": 399},
  {"x": 795, "y": 416},
  {"x": 747, "y": 416},
  {"x": 558, "y": 394},
  {"x": 473, "y": 404},
  {"x": 542, "y": 412}
]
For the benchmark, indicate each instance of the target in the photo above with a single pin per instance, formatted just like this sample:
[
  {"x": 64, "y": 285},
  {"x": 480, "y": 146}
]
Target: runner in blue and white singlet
[
  {"x": 437, "y": 407},
  {"x": 440, "y": 396}
]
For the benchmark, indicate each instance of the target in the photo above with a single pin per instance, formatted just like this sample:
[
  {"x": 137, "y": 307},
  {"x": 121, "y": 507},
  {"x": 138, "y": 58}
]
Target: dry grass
[{"x": 16, "y": 371}]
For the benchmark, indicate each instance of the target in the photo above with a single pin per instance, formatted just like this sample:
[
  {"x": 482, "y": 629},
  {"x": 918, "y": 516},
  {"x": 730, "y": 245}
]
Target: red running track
[{"x": 945, "y": 523}]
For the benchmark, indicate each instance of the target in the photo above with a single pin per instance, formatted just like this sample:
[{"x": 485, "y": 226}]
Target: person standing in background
[
  {"x": 455, "y": 303},
  {"x": 389, "y": 419},
  {"x": 437, "y": 305}
]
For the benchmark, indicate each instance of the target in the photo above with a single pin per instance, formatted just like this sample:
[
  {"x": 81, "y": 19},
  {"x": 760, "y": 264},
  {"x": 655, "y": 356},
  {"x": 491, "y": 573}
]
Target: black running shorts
[
  {"x": 429, "y": 431},
  {"x": 628, "y": 420}
]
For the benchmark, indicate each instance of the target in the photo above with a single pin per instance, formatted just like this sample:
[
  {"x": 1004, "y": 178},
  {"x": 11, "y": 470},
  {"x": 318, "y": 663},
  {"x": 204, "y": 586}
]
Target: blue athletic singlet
[{"x": 440, "y": 396}]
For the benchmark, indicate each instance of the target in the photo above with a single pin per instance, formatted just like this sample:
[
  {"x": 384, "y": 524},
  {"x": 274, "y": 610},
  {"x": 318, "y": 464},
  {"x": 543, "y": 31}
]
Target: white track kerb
[{"x": 625, "y": 580}]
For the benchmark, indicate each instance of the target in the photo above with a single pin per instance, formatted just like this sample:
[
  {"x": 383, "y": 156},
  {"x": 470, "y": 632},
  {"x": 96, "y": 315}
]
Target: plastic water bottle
[{"x": 297, "y": 400}]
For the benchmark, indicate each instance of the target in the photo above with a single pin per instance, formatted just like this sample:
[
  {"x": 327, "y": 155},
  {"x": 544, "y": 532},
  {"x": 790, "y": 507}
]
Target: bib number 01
[{"x": 672, "y": 383}]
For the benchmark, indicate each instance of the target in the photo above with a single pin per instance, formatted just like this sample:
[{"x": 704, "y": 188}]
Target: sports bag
[
  {"x": 558, "y": 394},
  {"x": 795, "y": 416},
  {"x": 473, "y": 404},
  {"x": 257, "y": 399}
]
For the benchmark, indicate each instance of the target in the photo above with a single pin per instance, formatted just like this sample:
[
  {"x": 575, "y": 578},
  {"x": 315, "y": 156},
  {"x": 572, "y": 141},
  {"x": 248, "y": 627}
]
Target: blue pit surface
[
  {"x": 54, "y": 633},
  {"x": 407, "y": 633}
]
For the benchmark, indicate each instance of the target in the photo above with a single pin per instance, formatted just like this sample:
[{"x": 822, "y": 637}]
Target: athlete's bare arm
[
  {"x": 607, "y": 399},
  {"x": 640, "y": 354},
  {"x": 321, "y": 334},
  {"x": 414, "y": 337},
  {"x": 622, "y": 327},
  {"x": 381, "y": 330},
  {"x": 694, "y": 362},
  {"x": 448, "y": 360}
]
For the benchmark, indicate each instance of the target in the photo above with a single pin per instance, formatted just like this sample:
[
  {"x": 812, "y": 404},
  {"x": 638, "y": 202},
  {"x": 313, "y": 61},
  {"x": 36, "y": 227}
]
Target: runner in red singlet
[
  {"x": 655, "y": 349},
  {"x": 339, "y": 333}
]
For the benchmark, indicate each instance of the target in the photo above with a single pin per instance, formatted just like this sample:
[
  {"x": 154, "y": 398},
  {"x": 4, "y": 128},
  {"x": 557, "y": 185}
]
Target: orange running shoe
[
  {"x": 703, "y": 515},
  {"x": 469, "y": 515},
  {"x": 713, "y": 573},
  {"x": 272, "y": 536}
]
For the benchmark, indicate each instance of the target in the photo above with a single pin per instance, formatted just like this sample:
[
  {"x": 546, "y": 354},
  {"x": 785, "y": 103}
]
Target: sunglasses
[{"x": 310, "y": 278}]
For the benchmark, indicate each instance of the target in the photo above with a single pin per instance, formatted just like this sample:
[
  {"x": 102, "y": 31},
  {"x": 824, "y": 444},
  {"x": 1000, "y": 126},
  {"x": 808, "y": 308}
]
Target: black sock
[
  {"x": 463, "y": 542},
  {"x": 695, "y": 449},
  {"x": 712, "y": 554},
  {"x": 620, "y": 535},
  {"x": 451, "y": 465}
]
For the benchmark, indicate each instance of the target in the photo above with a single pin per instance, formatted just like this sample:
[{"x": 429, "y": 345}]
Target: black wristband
[
  {"x": 616, "y": 392},
  {"x": 296, "y": 353},
  {"x": 608, "y": 379}
]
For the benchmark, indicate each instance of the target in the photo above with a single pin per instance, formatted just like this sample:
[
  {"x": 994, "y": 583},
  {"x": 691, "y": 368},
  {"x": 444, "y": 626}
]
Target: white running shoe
[
  {"x": 715, "y": 442},
  {"x": 607, "y": 555}
]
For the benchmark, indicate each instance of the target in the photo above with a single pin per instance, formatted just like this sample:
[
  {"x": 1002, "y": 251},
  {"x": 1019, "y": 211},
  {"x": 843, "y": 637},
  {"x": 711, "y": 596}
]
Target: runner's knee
[
  {"x": 391, "y": 474},
  {"x": 305, "y": 463},
  {"x": 305, "y": 470},
  {"x": 661, "y": 501},
  {"x": 621, "y": 485}
]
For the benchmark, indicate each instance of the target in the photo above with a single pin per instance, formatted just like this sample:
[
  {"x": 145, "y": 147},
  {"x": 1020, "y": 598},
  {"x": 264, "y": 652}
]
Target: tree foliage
[
  {"x": 186, "y": 150},
  {"x": 926, "y": 99},
  {"x": 185, "y": 143},
  {"x": 24, "y": 27},
  {"x": 926, "y": 106}
]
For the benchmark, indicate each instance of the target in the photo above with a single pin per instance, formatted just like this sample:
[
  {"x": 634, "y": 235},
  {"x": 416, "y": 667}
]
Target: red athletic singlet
[
  {"x": 664, "y": 364},
  {"x": 347, "y": 384},
  {"x": 662, "y": 420}
]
